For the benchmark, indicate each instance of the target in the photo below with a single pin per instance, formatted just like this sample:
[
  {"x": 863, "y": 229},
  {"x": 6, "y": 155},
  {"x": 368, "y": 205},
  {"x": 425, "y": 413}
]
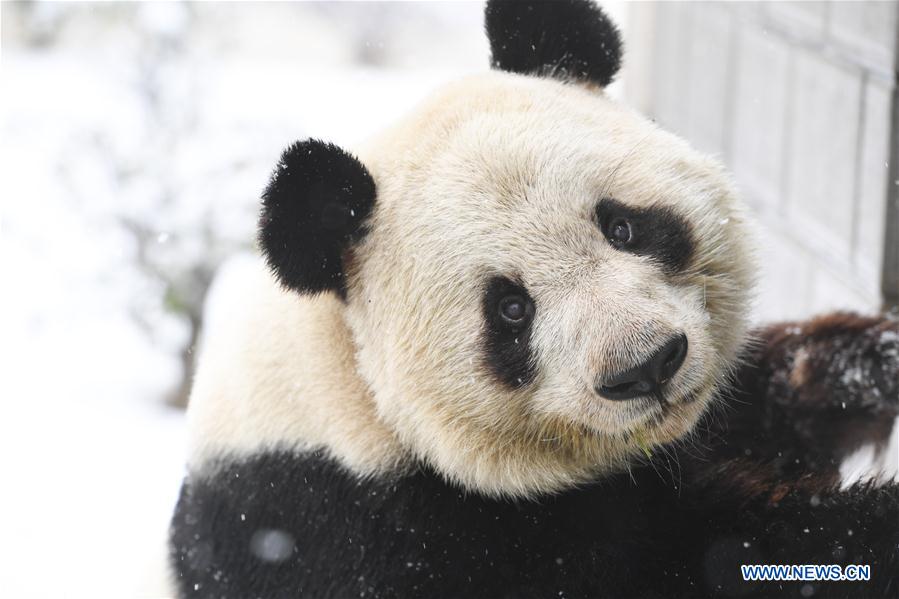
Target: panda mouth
[
  {"x": 639, "y": 395},
  {"x": 654, "y": 408},
  {"x": 636, "y": 390},
  {"x": 626, "y": 390}
]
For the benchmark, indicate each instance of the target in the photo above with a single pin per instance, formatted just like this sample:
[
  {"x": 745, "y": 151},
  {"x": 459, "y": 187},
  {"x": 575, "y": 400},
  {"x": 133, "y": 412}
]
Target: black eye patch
[
  {"x": 508, "y": 314},
  {"x": 657, "y": 232}
]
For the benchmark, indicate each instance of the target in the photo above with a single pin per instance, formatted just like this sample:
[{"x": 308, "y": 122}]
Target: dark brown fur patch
[
  {"x": 811, "y": 393},
  {"x": 832, "y": 360}
]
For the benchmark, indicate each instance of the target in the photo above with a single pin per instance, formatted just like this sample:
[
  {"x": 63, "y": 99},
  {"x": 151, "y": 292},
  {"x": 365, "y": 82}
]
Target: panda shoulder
[{"x": 275, "y": 371}]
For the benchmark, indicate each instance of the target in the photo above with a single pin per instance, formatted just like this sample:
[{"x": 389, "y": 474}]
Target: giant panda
[{"x": 501, "y": 350}]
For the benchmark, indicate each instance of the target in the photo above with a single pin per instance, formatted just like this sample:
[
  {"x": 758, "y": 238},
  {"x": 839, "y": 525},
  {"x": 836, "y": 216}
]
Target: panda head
[{"x": 539, "y": 282}]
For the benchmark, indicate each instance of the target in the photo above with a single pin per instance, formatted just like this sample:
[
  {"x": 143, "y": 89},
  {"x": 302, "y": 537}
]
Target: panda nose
[{"x": 650, "y": 376}]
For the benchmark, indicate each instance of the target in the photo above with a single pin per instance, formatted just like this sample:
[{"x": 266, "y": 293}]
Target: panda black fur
[{"x": 374, "y": 422}]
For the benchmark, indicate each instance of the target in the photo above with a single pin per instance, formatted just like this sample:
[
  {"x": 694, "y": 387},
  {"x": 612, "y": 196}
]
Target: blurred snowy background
[{"x": 135, "y": 139}]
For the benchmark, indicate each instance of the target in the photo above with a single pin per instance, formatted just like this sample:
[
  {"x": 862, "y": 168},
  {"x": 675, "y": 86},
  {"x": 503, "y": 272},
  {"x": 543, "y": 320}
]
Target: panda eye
[
  {"x": 514, "y": 309},
  {"x": 620, "y": 232}
]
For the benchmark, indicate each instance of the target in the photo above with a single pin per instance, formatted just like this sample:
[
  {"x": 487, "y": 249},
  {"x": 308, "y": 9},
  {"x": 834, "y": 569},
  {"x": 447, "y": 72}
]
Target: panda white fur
[{"x": 466, "y": 342}]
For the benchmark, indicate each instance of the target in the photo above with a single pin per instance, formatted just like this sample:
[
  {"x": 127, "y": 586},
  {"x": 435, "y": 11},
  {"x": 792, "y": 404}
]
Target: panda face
[
  {"x": 539, "y": 284},
  {"x": 548, "y": 283}
]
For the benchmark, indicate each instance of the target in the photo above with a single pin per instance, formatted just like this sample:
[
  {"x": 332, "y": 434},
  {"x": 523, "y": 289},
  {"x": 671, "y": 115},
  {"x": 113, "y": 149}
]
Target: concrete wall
[{"x": 797, "y": 98}]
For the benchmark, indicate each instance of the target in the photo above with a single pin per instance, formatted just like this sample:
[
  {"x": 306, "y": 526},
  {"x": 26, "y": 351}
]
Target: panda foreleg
[
  {"x": 841, "y": 362},
  {"x": 811, "y": 394}
]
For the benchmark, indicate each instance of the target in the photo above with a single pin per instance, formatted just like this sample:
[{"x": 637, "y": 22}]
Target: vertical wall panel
[
  {"x": 823, "y": 148},
  {"x": 872, "y": 184},
  {"x": 709, "y": 56},
  {"x": 673, "y": 29},
  {"x": 760, "y": 105}
]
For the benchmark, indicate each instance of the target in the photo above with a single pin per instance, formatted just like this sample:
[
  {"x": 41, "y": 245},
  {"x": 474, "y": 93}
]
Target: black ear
[
  {"x": 566, "y": 39},
  {"x": 314, "y": 207}
]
